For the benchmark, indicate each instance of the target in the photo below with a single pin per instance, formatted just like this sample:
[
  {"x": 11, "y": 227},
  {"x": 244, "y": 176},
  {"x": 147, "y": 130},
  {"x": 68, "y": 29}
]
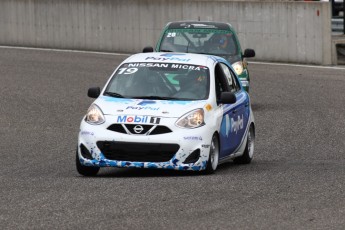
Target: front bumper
[
  {"x": 107, "y": 148},
  {"x": 245, "y": 84},
  {"x": 244, "y": 79},
  {"x": 198, "y": 166}
]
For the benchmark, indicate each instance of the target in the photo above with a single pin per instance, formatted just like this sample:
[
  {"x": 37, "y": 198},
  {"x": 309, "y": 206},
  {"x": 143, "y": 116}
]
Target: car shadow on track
[
  {"x": 141, "y": 172},
  {"x": 138, "y": 172}
]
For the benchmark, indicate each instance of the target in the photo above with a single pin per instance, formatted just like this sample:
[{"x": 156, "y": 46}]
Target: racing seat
[{"x": 191, "y": 86}]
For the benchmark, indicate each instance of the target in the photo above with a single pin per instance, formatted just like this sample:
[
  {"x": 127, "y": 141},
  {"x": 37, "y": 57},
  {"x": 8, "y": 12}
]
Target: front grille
[
  {"x": 145, "y": 128},
  {"x": 121, "y": 128},
  {"x": 117, "y": 128},
  {"x": 160, "y": 130},
  {"x": 141, "y": 152}
]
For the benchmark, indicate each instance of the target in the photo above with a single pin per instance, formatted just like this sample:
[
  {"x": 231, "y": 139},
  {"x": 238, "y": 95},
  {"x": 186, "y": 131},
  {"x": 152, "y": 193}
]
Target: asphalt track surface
[{"x": 296, "y": 180}]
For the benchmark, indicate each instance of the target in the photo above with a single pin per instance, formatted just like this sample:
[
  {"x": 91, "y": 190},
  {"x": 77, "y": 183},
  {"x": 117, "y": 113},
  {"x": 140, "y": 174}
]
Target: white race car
[{"x": 170, "y": 111}]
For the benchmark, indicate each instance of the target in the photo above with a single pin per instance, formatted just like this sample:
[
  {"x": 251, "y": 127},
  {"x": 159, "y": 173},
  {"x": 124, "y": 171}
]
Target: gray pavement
[{"x": 296, "y": 180}]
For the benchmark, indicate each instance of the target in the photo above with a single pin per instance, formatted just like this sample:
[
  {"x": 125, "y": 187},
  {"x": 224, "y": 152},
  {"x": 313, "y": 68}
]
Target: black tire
[
  {"x": 85, "y": 170},
  {"x": 213, "y": 157},
  {"x": 248, "y": 153}
]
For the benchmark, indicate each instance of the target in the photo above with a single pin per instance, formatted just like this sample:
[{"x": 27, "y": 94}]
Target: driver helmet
[{"x": 223, "y": 41}]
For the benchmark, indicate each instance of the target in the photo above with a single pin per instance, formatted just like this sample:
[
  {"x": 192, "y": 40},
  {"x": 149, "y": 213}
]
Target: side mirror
[
  {"x": 227, "y": 98},
  {"x": 94, "y": 92},
  {"x": 148, "y": 49},
  {"x": 248, "y": 53}
]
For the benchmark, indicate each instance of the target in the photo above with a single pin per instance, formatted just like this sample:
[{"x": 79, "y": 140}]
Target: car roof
[
  {"x": 179, "y": 58},
  {"x": 199, "y": 25}
]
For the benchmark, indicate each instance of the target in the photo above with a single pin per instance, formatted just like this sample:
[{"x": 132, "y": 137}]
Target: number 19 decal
[{"x": 127, "y": 70}]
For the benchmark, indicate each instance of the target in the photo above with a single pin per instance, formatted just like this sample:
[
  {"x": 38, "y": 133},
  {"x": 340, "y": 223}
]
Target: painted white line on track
[
  {"x": 127, "y": 54},
  {"x": 63, "y": 50},
  {"x": 298, "y": 65}
]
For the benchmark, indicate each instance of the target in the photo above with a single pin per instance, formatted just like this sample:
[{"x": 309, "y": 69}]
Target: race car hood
[{"x": 161, "y": 108}]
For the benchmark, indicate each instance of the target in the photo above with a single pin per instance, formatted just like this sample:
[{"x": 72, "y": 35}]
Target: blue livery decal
[
  {"x": 117, "y": 99},
  {"x": 145, "y": 102},
  {"x": 172, "y": 55}
]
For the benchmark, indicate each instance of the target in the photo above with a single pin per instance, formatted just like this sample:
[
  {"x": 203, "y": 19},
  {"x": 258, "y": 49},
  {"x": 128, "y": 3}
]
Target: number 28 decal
[
  {"x": 127, "y": 70},
  {"x": 171, "y": 35}
]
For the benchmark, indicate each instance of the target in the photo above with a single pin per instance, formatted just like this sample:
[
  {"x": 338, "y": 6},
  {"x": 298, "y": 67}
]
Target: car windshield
[
  {"x": 160, "y": 81},
  {"x": 206, "y": 41}
]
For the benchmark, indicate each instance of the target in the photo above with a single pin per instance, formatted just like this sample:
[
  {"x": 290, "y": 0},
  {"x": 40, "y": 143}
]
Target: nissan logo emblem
[{"x": 138, "y": 129}]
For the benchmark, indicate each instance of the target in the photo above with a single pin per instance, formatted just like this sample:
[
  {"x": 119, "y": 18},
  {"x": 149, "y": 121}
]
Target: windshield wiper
[
  {"x": 112, "y": 94},
  {"x": 157, "y": 98},
  {"x": 166, "y": 51}
]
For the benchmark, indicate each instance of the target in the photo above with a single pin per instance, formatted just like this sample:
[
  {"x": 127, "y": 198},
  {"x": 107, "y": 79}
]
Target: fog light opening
[
  {"x": 193, "y": 157},
  {"x": 85, "y": 152}
]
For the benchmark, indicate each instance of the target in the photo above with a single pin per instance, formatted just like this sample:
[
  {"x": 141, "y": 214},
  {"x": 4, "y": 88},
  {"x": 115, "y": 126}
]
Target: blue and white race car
[{"x": 170, "y": 111}]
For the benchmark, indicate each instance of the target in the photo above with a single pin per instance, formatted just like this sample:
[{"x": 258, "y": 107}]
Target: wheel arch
[
  {"x": 218, "y": 136},
  {"x": 252, "y": 125}
]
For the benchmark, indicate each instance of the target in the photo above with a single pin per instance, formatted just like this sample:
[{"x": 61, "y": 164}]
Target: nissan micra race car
[{"x": 169, "y": 111}]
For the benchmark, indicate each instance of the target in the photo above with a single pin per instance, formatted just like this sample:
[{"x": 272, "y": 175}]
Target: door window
[
  {"x": 220, "y": 81},
  {"x": 231, "y": 78}
]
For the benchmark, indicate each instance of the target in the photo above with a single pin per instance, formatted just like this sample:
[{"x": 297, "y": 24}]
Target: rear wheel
[
  {"x": 213, "y": 157},
  {"x": 248, "y": 153},
  {"x": 85, "y": 170}
]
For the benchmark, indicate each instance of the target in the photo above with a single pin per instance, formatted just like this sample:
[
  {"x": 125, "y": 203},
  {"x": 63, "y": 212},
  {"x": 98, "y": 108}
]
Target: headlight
[
  {"x": 238, "y": 67},
  {"x": 94, "y": 115},
  {"x": 191, "y": 120}
]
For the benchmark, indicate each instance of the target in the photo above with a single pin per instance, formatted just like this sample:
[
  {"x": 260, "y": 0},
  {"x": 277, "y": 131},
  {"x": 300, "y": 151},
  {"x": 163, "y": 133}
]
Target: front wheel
[
  {"x": 248, "y": 153},
  {"x": 85, "y": 170},
  {"x": 213, "y": 157}
]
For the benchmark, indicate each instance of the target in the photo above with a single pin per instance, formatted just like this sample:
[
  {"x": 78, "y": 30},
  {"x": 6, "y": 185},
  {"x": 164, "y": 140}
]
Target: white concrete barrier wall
[{"x": 298, "y": 32}]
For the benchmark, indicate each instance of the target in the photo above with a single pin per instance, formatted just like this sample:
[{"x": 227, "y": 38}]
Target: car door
[{"x": 235, "y": 116}]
